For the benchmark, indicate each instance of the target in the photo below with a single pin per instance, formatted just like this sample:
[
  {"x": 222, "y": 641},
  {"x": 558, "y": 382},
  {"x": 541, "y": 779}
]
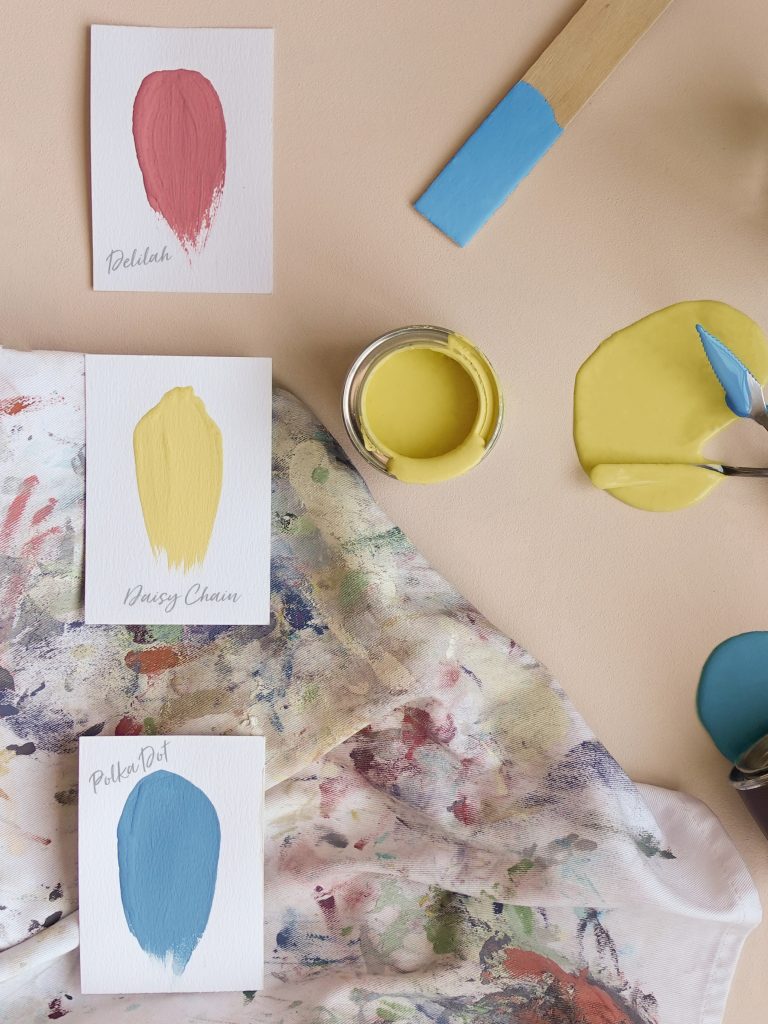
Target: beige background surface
[{"x": 657, "y": 192}]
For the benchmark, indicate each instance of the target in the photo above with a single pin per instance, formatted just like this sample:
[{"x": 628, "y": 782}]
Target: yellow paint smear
[
  {"x": 179, "y": 466},
  {"x": 430, "y": 410},
  {"x": 648, "y": 395}
]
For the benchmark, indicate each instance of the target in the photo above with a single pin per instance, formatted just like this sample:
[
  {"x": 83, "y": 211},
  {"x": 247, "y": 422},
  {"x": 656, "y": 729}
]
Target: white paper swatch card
[
  {"x": 171, "y": 854},
  {"x": 181, "y": 159},
  {"x": 178, "y": 489}
]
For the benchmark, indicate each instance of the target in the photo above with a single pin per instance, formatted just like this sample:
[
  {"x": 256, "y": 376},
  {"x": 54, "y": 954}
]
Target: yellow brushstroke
[{"x": 179, "y": 461}]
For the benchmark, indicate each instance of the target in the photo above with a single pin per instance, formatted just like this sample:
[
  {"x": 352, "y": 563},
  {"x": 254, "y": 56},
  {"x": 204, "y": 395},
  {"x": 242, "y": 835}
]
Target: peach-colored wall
[{"x": 657, "y": 192}]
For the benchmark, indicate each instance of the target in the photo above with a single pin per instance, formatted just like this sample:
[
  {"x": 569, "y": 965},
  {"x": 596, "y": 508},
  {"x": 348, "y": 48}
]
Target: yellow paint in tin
[{"x": 423, "y": 404}]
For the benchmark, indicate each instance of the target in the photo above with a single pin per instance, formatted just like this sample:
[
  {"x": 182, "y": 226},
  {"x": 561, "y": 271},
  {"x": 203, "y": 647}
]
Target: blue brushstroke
[
  {"x": 730, "y": 371},
  {"x": 168, "y": 840},
  {"x": 298, "y": 611},
  {"x": 289, "y": 937},
  {"x": 491, "y": 163}
]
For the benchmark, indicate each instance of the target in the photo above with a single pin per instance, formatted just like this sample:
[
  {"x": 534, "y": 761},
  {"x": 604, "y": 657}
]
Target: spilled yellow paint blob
[
  {"x": 179, "y": 461},
  {"x": 648, "y": 395}
]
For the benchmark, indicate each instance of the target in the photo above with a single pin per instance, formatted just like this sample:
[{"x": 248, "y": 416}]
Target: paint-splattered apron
[{"x": 446, "y": 839}]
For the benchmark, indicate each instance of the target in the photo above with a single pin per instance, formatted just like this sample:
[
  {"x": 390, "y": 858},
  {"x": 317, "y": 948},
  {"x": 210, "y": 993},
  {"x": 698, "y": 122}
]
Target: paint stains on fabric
[
  {"x": 458, "y": 717},
  {"x": 13, "y": 406},
  {"x": 152, "y": 661},
  {"x": 336, "y": 839},
  {"x": 8, "y": 704},
  {"x": 17, "y": 508},
  {"x": 525, "y": 915},
  {"x": 381, "y": 772},
  {"x": 445, "y": 919},
  {"x": 298, "y": 611},
  {"x": 160, "y": 634},
  {"x": 649, "y": 846},
  {"x": 17, "y": 404},
  {"x": 288, "y": 937},
  {"x": 43, "y": 512},
  {"x": 41, "y": 724},
  {"x": 168, "y": 840},
  {"x": 56, "y": 892},
  {"x": 66, "y": 797},
  {"x": 522, "y": 867},
  {"x": 22, "y": 748},
  {"x": 419, "y": 727},
  {"x": 32, "y": 548},
  {"x": 180, "y": 136},
  {"x": 56, "y": 1009},
  {"x": 93, "y": 730},
  {"x": 51, "y": 919},
  {"x": 332, "y": 793},
  {"x": 561, "y": 996},
  {"x": 585, "y": 765},
  {"x": 128, "y": 726},
  {"x": 327, "y": 903},
  {"x": 464, "y": 812},
  {"x": 353, "y": 587},
  {"x": 179, "y": 459},
  {"x": 188, "y": 707}
]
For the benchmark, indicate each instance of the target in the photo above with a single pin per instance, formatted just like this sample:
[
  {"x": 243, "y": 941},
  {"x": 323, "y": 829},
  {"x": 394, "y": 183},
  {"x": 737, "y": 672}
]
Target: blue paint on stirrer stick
[{"x": 504, "y": 149}]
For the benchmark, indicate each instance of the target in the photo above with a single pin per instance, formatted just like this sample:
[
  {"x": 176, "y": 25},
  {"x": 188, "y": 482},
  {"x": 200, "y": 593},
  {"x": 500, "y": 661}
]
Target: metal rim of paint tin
[
  {"x": 416, "y": 336},
  {"x": 751, "y": 770}
]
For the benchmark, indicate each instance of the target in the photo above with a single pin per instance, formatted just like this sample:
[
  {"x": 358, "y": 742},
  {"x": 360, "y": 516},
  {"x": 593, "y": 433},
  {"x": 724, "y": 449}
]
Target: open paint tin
[
  {"x": 749, "y": 777},
  {"x": 422, "y": 404}
]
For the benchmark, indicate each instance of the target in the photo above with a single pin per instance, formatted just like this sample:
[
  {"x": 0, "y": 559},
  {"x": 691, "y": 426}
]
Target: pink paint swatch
[{"x": 181, "y": 144}]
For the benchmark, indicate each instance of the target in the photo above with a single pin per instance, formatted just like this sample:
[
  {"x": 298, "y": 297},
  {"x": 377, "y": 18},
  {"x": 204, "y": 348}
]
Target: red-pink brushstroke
[
  {"x": 32, "y": 547},
  {"x": 181, "y": 145},
  {"x": 17, "y": 508},
  {"x": 43, "y": 512},
  {"x": 20, "y": 403},
  {"x": 17, "y": 520},
  {"x": 13, "y": 406}
]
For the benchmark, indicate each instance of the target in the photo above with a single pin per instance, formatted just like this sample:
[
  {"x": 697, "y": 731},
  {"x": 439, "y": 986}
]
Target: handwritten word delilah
[
  {"x": 149, "y": 755},
  {"x": 117, "y": 260}
]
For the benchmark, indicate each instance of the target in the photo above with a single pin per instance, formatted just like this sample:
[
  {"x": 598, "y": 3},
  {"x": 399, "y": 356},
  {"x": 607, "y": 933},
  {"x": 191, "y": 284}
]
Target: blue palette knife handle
[{"x": 744, "y": 394}]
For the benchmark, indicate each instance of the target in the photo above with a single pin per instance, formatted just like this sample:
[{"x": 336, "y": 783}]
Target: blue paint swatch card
[{"x": 171, "y": 855}]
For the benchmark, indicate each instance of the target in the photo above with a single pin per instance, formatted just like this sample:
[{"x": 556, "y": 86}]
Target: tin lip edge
[
  {"x": 350, "y": 424},
  {"x": 753, "y": 762},
  {"x": 743, "y": 782},
  {"x": 351, "y": 381}
]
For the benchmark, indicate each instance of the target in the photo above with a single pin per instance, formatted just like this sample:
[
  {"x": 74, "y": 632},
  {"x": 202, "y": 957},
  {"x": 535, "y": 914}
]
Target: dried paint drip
[
  {"x": 179, "y": 460},
  {"x": 180, "y": 137},
  {"x": 168, "y": 840}
]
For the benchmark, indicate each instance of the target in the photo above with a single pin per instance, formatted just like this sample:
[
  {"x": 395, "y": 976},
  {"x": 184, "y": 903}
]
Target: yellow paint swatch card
[{"x": 178, "y": 453}]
